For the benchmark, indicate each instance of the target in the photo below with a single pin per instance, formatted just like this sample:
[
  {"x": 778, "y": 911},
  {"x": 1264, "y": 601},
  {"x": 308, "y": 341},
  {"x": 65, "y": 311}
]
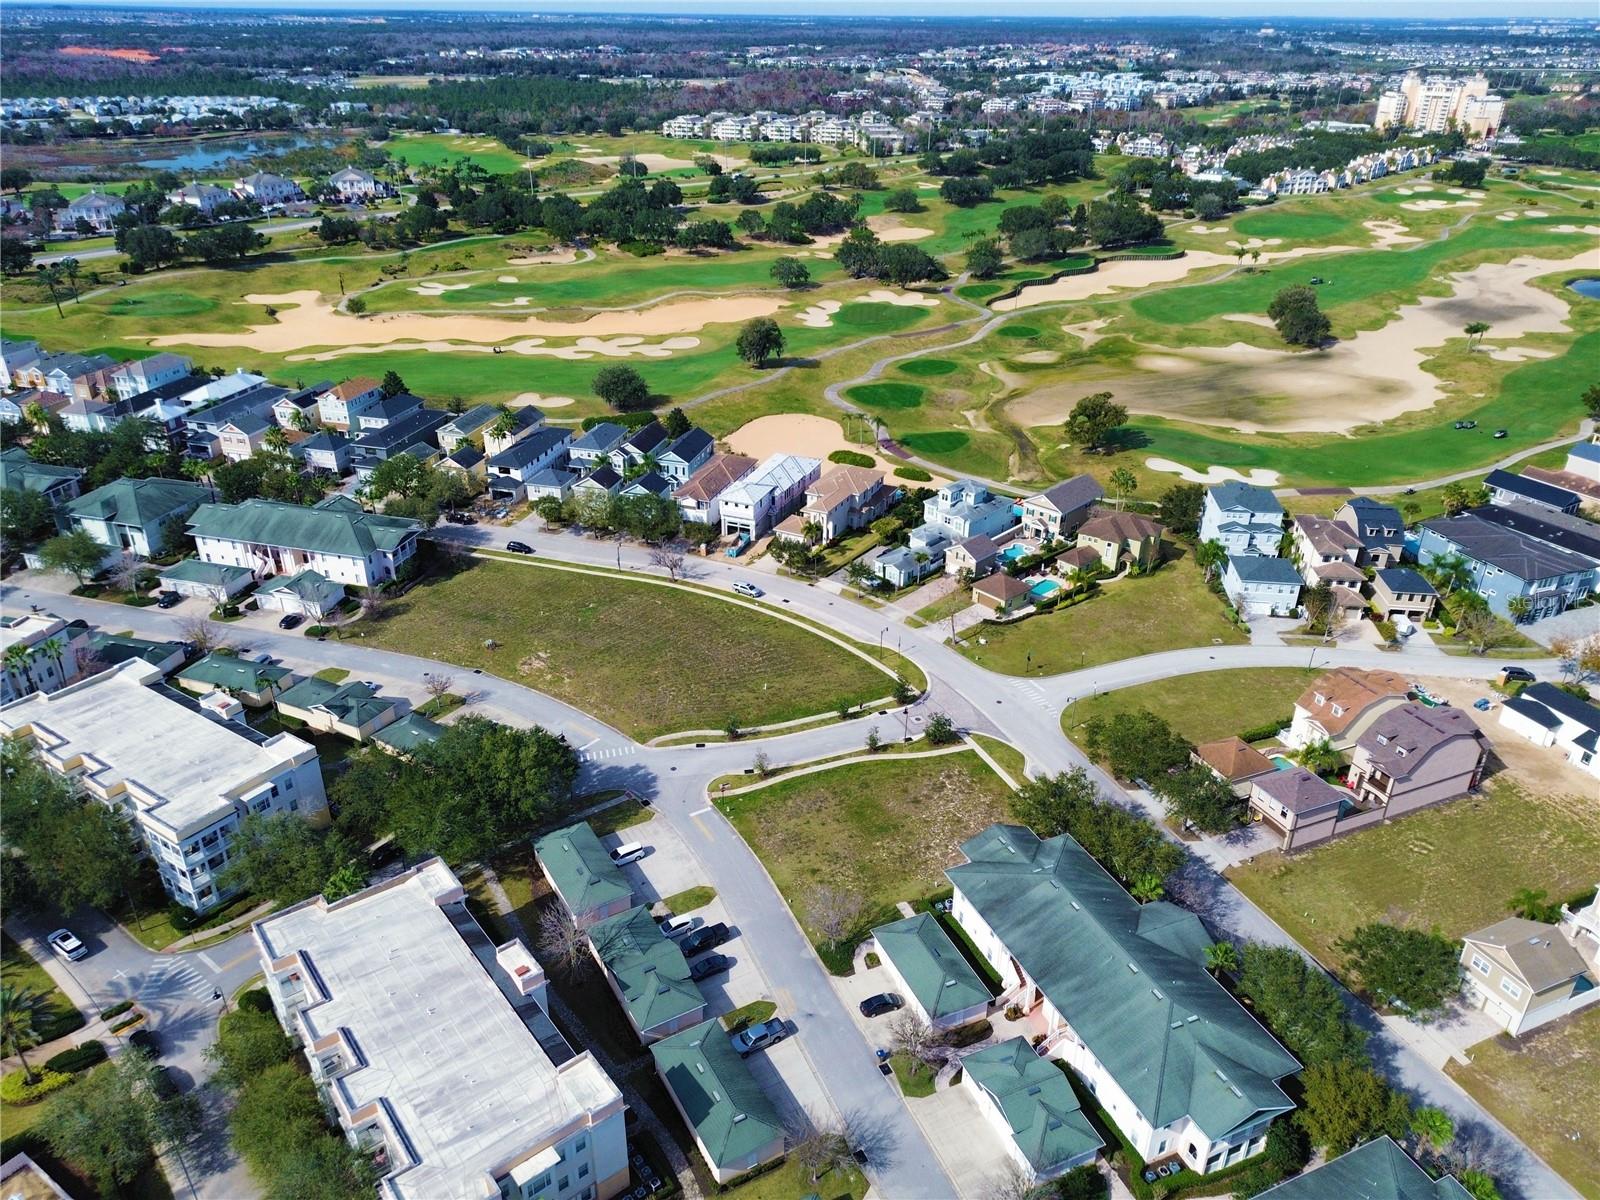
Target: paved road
[{"x": 269, "y": 227}]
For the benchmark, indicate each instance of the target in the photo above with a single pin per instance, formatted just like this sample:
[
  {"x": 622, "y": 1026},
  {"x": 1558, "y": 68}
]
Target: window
[
  {"x": 1479, "y": 965},
  {"x": 1511, "y": 989},
  {"x": 581, "y": 1145},
  {"x": 583, "y": 1170},
  {"x": 563, "y": 1183}
]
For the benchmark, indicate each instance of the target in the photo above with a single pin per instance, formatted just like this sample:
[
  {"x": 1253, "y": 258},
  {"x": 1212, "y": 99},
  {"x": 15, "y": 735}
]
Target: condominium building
[
  {"x": 1435, "y": 102},
  {"x": 435, "y": 1050},
  {"x": 184, "y": 779}
]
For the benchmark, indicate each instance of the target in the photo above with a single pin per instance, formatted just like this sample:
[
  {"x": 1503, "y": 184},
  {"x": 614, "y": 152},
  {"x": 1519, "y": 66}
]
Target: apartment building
[{"x": 335, "y": 538}]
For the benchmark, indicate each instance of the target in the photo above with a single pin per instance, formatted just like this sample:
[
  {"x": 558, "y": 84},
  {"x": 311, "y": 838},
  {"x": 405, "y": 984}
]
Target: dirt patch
[
  {"x": 567, "y": 255},
  {"x": 1088, "y": 332}
]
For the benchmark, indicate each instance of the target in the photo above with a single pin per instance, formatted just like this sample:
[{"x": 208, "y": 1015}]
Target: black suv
[{"x": 707, "y": 937}]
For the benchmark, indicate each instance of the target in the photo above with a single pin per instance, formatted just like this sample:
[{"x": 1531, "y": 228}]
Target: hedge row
[
  {"x": 1065, "y": 272},
  {"x": 15, "y": 1090},
  {"x": 79, "y": 1058},
  {"x": 851, "y": 458},
  {"x": 915, "y": 474},
  {"x": 1270, "y": 729}
]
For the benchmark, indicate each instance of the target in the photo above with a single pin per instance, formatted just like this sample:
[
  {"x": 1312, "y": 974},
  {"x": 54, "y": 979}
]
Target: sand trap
[
  {"x": 1388, "y": 233},
  {"x": 650, "y": 162},
  {"x": 430, "y": 288},
  {"x": 583, "y": 348},
  {"x": 904, "y": 233},
  {"x": 813, "y": 437},
  {"x": 306, "y": 319},
  {"x": 1505, "y": 216},
  {"x": 1088, "y": 332},
  {"x": 1536, "y": 212},
  {"x": 1250, "y": 319},
  {"x": 1256, "y": 243},
  {"x": 888, "y": 226},
  {"x": 566, "y": 255},
  {"x": 1208, "y": 229},
  {"x": 1591, "y": 230},
  {"x": 1373, "y": 377},
  {"x": 819, "y": 315},
  {"x": 526, "y": 398},
  {"x": 1430, "y": 205},
  {"x": 1413, "y": 189},
  {"x": 900, "y": 299},
  {"x": 515, "y": 302},
  {"x": 1039, "y": 356},
  {"x": 508, "y": 279},
  {"x": 1516, "y": 354},
  {"x": 1259, "y": 476}
]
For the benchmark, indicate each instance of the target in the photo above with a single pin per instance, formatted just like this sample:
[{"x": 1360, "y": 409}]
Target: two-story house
[
  {"x": 138, "y": 375},
  {"x": 1118, "y": 538},
  {"x": 699, "y": 498},
  {"x": 842, "y": 499},
  {"x": 1261, "y": 585},
  {"x": 335, "y": 538},
  {"x": 1525, "y": 974},
  {"x": 1379, "y": 528},
  {"x": 267, "y": 189},
  {"x": 1506, "y": 488},
  {"x": 595, "y": 444},
  {"x": 1246, "y": 519},
  {"x": 1413, "y": 756},
  {"x": 1056, "y": 512},
  {"x": 758, "y": 500},
  {"x": 510, "y": 471},
  {"x": 342, "y": 404},
  {"x": 1506, "y": 563},
  {"x": 135, "y": 514},
  {"x": 685, "y": 455},
  {"x": 966, "y": 509},
  {"x": 385, "y": 411},
  {"x": 1340, "y": 705}
]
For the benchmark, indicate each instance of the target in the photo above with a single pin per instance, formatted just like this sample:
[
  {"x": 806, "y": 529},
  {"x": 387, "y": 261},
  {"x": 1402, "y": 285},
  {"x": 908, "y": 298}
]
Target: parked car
[
  {"x": 628, "y": 852},
  {"x": 1466, "y": 424},
  {"x": 65, "y": 943},
  {"x": 1518, "y": 674},
  {"x": 146, "y": 1039},
  {"x": 711, "y": 964},
  {"x": 167, "y": 599},
  {"x": 1500, "y": 433},
  {"x": 759, "y": 1037},
  {"x": 707, "y": 937},
  {"x": 748, "y": 589},
  {"x": 519, "y": 547},
  {"x": 883, "y": 1002},
  {"x": 676, "y": 926},
  {"x": 290, "y": 620}
]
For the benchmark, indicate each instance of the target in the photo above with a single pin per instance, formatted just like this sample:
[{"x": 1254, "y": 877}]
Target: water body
[
  {"x": 207, "y": 155},
  {"x": 1586, "y": 287}
]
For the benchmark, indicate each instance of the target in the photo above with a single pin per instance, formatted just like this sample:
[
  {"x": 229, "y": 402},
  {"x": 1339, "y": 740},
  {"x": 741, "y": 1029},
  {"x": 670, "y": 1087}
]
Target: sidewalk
[{"x": 92, "y": 1028}]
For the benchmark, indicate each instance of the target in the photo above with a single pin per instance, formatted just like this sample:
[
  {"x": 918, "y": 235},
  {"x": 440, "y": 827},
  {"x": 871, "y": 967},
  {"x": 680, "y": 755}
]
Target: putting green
[
  {"x": 876, "y": 317},
  {"x": 1293, "y": 225},
  {"x": 887, "y": 395},
  {"x": 928, "y": 366},
  {"x": 939, "y": 441},
  {"x": 161, "y": 303}
]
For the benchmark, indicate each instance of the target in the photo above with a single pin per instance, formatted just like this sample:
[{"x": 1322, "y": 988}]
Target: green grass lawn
[
  {"x": 1166, "y": 610},
  {"x": 790, "y": 1181},
  {"x": 1454, "y": 867},
  {"x": 687, "y": 901},
  {"x": 915, "y": 1078},
  {"x": 748, "y": 1014},
  {"x": 1540, "y": 1085},
  {"x": 1011, "y": 760},
  {"x": 885, "y": 830},
  {"x": 1202, "y": 707},
  {"x": 648, "y": 659},
  {"x": 154, "y": 929},
  {"x": 617, "y": 817},
  {"x": 57, "y": 1015}
]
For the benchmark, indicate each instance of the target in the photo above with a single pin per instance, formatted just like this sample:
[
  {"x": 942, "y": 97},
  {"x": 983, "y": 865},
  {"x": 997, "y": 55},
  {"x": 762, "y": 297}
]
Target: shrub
[
  {"x": 129, "y": 1023},
  {"x": 78, "y": 1058},
  {"x": 1270, "y": 729},
  {"x": 116, "y": 1010},
  {"x": 255, "y": 1000},
  {"x": 872, "y": 959},
  {"x": 15, "y": 1090},
  {"x": 850, "y": 458}
]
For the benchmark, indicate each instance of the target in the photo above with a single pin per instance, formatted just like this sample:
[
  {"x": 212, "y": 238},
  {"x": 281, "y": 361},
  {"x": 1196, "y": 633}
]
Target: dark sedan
[
  {"x": 711, "y": 964},
  {"x": 883, "y": 1002},
  {"x": 707, "y": 937}
]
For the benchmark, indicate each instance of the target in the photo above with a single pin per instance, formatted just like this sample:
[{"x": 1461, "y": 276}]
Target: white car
[
  {"x": 676, "y": 926},
  {"x": 748, "y": 589},
  {"x": 65, "y": 943},
  {"x": 628, "y": 852}
]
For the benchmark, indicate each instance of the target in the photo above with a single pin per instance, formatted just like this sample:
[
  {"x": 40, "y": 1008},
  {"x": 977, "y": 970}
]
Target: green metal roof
[
  {"x": 18, "y": 472},
  {"x": 731, "y": 1115},
  {"x": 353, "y": 703},
  {"x": 193, "y": 570},
  {"x": 231, "y": 671},
  {"x": 139, "y": 502},
  {"x": 1129, "y": 978},
  {"x": 649, "y": 968},
  {"x": 1379, "y": 1170},
  {"x": 938, "y": 976},
  {"x": 337, "y": 530},
  {"x": 113, "y": 649},
  {"x": 409, "y": 732},
  {"x": 580, "y": 868},
  {"x": 1036, "y": 1100},
  {"x": 308, "y": 585}
]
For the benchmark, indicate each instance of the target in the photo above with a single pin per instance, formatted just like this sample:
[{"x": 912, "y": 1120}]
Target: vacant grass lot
[
  {"x": 883, "y": 829},
  {"x": 648, "y": 659},
  {"x": 1167, "y": 610},
  {"x": 57, "y": 1016},
  {"x": 1454, "y": 867},
  {"x": 1541, "y": 1085},
  {"x": 1203, "y": 707}
]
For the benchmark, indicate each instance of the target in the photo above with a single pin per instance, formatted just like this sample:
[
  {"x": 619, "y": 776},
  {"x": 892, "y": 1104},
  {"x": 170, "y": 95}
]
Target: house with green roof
[
  {"x": 581, "y": 872},
  {"x": 253, "y": 683},
  {"x": 216, "y": 582},
  {"x": 353, "y": 710},
  {"x": 1377, "y": 1170},
  {"x": 648, "y": 973},
  {"x": 735, "y": 1124},
  {"x": 19, "y": 473},
  {"x": 405, "y": 735},
  {"x": 134, "y": 514},
  {"x": 308, "y": 592},
  {"x": 336, "y": 538},
  {"x": 1121, "y": 993},
  {"x": 937, "y": 982},
  {"x": 1032, "y": 1104},
  {"x": 113, "y": 649}
]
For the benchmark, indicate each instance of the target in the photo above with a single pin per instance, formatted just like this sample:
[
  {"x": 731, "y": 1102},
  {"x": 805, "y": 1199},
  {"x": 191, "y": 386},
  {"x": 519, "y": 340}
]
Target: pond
[
  {"x": 1586, "y": 287},
  {"x": 208, "y": 155}
]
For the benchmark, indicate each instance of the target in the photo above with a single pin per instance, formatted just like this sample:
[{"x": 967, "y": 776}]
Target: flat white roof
[
  {"x": 779, "y": 471},
  {"x": 29, "y": 628},
  {"x": 181, "y": 768},
  {"x": 470, "y": 1087}
]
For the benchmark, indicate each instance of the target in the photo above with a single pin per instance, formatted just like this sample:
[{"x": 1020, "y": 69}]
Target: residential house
[
  {"x": 167, "y": 405},
  {"x": 1055, "y": 513},
  {"x": 352, "y": 709},
  {"x": 1032, "y": 1106},
  {"x": 595, "y": 444},
  {"x": 355, "y": 186},
  {"x": 325, "y": 451},
  {"x": 1341, "y": 705},
  {"x": 552, "y": 482},
  {"x": 1548, "y": 716},
  {"x": 1507, "y": 563},
  {"x": 602, "y": 481},
  {"x": 14, "y": 407},
  {"x": 1413, "y": 756},
  {"x": 404, "y": 736},
  {"x": 300, "y": 409},
  {"x": 1121, "y": 993},
  {"x": 1120, "y": 538},
  {"x": 135, "y": 514},
  {"x": 700, "y": 497},
  {"x": 510, "y": 471},
  {"x": 977, "y": 556},
  {"x": 647, "y": 973},
  {"x": 81, "y": 376},
  {"x": 1001, "y": 593},
  {"x": 385, "y": 411},
  {"x": 466, "y": 1090},
  {"x": 24, "y": 1179},
  {"x": 1525, "y": 974},
  {"x": 1583, "y": 461},
  {"x": 1403, "y": 592},
  {"x": 524, "y": 420},
  {"x": 1327, "y": 550},
  {"x": 580, "y": 871},
  {"x": 1261, "y": 586},
  {"x": 216, "y": 582},
  {"x": 685, "y": 456},
  {"x": 1559, "y": 530},
  {"x": 184, "y": 780},
  {"x": 15, "y": 355},
  {"x": 140, "y": 375},
  {"x": 99, "y": 210},
  {"x": 411, "y": 435},
  {"x": 203, "y": 196},
  {"x": 927, "y": 968},
  {"x": 39, "y": 654},
  {"x": 639, "y": 447},
  {"x": 100, "y": 650},
  {"x": 1378, "y": 526},
  {"x": 1506, "y": 488},
  {"x": 1375, "y": 1170},
  {"x": 467, "y": 461},
  {"x": 1301, "y": 807},
  {"x": 341, "y": 405},
  {"x": 308, "y": 593},
  {"x": 1234, "y": 761},
  {"x": 1246, "y": 519},
  {"x": 253, "y": 683},
  {"x": 234, "y": 428},
  {"x": 735, "y": 1125},
  {"x": 842, "y": 499},
  {"x": 335, "y": 538},
  {"x": 267, "y": 189},
  {"x": 19, "y": 473},
  {"x": 651, "y": 483},
  {"x": 965, "y": 509},
  {"x": 923, "y": 554},
  {"x": 468, "y": 426},
  {"x": 755, "y": 502}
]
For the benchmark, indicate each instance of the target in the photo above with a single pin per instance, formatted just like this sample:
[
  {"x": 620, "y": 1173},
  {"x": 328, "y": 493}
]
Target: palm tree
[
  {"x": 504, "y": 425},
  {"x": 811, "y": 531},
  {"x": 1519, "y": 607},
  {"x": 19, "y": 1008},
  {"x": 1210, "y": 556},
  {"x": 55, "y": 650},
  {"x": 1450, "y": 573},
  {"x": 1434, "y": 1126},
  {"x": 50, "y": 276},
  {"x": 1319, "y": 757},
  {"x": 1239, "y": 252},
  {"x": 1123, "y": 484},
  {"x": 69, "y": 268},
  {"x": 1147, "y": 888},
  {"x": 37, "y": 416},
  {"x": 1222, "y": 956},
  {"x": 1475, "y": 332},
  {"x": 1255, "y": 257},
  {"x": 18, "y": 661},
  {"x": 1529, "y": 903}
]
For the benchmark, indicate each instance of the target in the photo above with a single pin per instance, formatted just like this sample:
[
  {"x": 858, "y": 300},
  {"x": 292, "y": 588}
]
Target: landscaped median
[{"x": 647, "y": 656}]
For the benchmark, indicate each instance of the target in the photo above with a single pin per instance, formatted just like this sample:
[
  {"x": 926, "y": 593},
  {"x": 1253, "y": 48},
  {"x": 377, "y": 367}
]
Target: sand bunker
[
  {"x": 508, "y": 279},
  {"x": 306, "y": 319},
  {"x": 516, "y": 302},
  {"x": 583, "y": 348},
  {"x": 792, "y": 433},
  {"x": 1516, "y": 354},
  {"x": 1536, "y": 212},
  {"x": 1388, "y": 233},
  {"x": 1208, "y": 229},
  {"x": 1259, "y": 476},
  {"x": 900, "y": 299},
  {"x": 819, "y": 315},
  {"x": 566, "y": 255},
  {"x": 1039, "y": 356},
  {"x": 655, "y": 162},
  {"x": 526, "y": 398},
  {"x": 1430, "y": 205},
  {"x": 1250, "y": 319},
  {"x": 1256, "y": 243},
  {"x": 904, "y": 233},
  {"x": 1591, "y": 230},
  {"x": 1373, "y": 377},
  {"x": 888, "y": 227},
  {"x": 429, "y": 287},
  {"x": 1088, "y": 332},
  {"x": 1414, "y": 189},
  {"x": 1138, "y": 273}
]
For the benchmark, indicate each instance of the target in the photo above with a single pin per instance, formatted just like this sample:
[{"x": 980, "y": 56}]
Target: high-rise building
[{"x": 1433, "y": 103}]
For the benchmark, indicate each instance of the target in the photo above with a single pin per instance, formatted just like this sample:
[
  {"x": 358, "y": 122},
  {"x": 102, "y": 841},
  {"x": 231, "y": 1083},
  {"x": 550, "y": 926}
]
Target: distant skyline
[{"x": 1442, "y": 11}]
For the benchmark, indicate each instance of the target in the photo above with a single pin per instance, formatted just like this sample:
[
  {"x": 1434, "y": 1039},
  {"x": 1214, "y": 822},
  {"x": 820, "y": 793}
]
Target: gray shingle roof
[
  {"x": 1533, "y": 489},
  {"x": 1263, "y": 568},
  {"x": 1234, "y": 494},
  {"x": 1404, "y": 579},
  {"x": 1072, "y": 494},
  {"x": 1561, "y": 530},
  {"x": 1301, "y": 792},
  {"x": 1515, "y": 553}
]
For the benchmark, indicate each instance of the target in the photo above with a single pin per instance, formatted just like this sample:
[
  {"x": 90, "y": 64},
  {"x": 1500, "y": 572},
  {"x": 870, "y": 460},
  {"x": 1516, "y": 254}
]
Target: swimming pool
[
  {"x": 1282, "y": 763},
  {"x": 1045, "y": 587},
  {"x": 1014, "y": 551}
]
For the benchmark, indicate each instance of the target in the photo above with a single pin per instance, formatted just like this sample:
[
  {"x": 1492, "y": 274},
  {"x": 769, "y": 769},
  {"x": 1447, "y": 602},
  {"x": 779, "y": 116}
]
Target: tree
[
  {"x": 902, "y": 200},
  {"x": 759, "y": 340},
  {"x": 1450, "y": 573},
  {"x": 1121, "y": 220},
  {"x": 1124, "y": 843},
  {"x": 126, "y": 572},
  {"x": 147, "y": 246},
  {"x": 20, "y": 1008},
  {"x": 1093, "y": 420},
  {"x": 203, "y": 634},
  {"x": 1299, "y": 319},
  {"x": 281, "y": 857},
  {"x": 248, "y": 1043},
  {"x": 1482, "y": 629},
  {"x": 1407, "y": 968},
  {"x": 1319, "y": 757},
  {"x": 1138, "y": 745},
  {"x": 913, "y": 1037},
  {"x": 392, "y": 384},
  {"x": 1222, "y": 958},
  {"x": 1299, "y": 1003},
  {"x": 941, "y": 730},
  {"x": 621, "y": 387},
  {"x": 1433, "y": 1126},
  {"x": 857, "y": 255},
  {"x": 1123, "y": 483},
  {"x": 668, "y": 559},
  {"x": 984, "y": 259},
  {"x": 1531, "y": 904},
  {"x": 822, "y": 1147},
  {"x": 1480, "y": 1185},
  {"x": 110, "y": 1123},
  {"x": 77, "y": 852},
  {"x": 16, "y": 256},
  {"x": 834, "y": 911},
  {"x": 791, "y": 273},
  {"x": 1347, "y": 1102},
  {"x": 1591, "y": 400},
  {"x": 50, "y": 276},
  {"x": 563, "y": 942},
  {"x": 1197, "y": 797},
  {"x": 25, "y": 516},
  {"x": 355, "y": 305},
  {"x": 1475, "y": 331}
]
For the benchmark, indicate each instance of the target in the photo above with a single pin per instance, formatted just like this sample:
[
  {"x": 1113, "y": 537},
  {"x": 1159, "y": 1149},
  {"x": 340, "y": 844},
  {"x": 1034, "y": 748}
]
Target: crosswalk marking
[
  {"x": 613, "y": 752},
  {"x": 1035, "y": 693},
  {"x": 172, "y": 971}
]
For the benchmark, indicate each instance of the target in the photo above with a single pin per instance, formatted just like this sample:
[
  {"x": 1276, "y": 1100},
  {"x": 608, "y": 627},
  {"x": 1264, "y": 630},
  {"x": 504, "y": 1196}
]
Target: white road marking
[
  {"x": 589, "y": 743},
  {"x": 701, "y": 811},
  {"x": 206, "y": 958}
]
